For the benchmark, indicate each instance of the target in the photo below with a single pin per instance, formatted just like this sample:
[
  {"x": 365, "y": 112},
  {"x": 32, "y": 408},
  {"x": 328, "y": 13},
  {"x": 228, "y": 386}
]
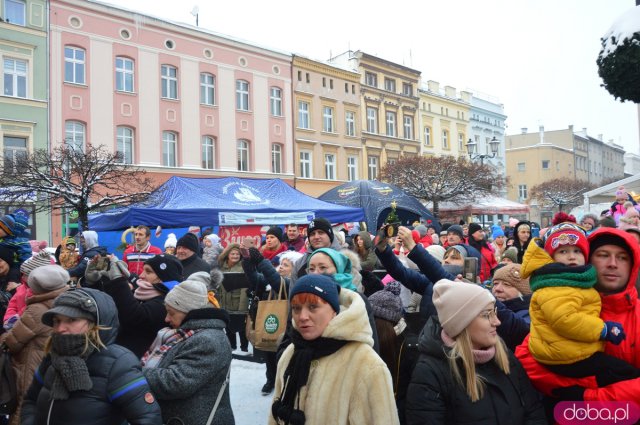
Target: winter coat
[
  {"x": 68, "y": 258},
  {"x": 435, "y": 397},
  {"x": 18, "y": 301},
  {"x": 236, "y": 301},
  {"x": 370, "y": 261},
  {"x": 269, "y": 254},
  {"x": 487, "y": 262},
  {"x": 119, "y": 393},
  {"x": 519, "y": 306},
  {"x": 623, "y": 308},
  {"x": 140, "y": 321},
  {"x": 558, "y": 309},
  {"x": 191, "y": 374},
  {"x": 78, "y": 271},
  {"x": 297, "y": 243},
  {"x": 26, "y": 342},
  {"x": 351, "y": 386},
  {"x": 135, "y": 259},
  {"x": 194, "y": 264},
  {"x": 210, "y": 255}
]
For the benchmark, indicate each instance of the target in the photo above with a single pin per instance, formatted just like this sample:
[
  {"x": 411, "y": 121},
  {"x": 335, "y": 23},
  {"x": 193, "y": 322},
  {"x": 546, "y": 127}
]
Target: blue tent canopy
[
  {"x": 376, "y": 197},
  {"x": 182, "y": 202}
]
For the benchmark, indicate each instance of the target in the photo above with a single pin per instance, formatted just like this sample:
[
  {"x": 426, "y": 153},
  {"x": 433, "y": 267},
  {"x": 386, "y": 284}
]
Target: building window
[
  {"x": 522, "y": 191},
  {"x": 275, "y": 101},
  {"x": 371, "y": 79},
  {"x": 307, "y": 77},
  {"x": 521, "y": 166},
  {"x": 124, "y": 142},
  {"x": 372, "y": 120},
  {"x": 407, "y": 89},
  {"x": 331, "y": 83},
  {"x": 14, "y": 12},
  {"x": 391, "y": 124},
  {"x": 169, "y": 148},
  {"x": 427, "y": 136},
  {"x": 14, "y": 149},
  {"x": 460, "y": 142},
  {"x": 276, "y": 158},
  {"x": 299, "y": 75},
  {"x": 346, "y": 88},
  {"x": 243, "y": 155},
  {"x": 208, "y": 153},
  {"x": 545, "y": 164},
  {"x": 207, "y": 89},
  {"x": 390, "y": 85},
  {"x": 305, "y": 164},
  {"x": 330, "y": 166},
  {"x": 15, "y": 77},
  {"x": 392, "y": 161},
  {"x": 74, "y": 132},
  {"x": 350, "y": 123},
  {"x": 408, "y": 127},
  {"x": 242, "y": 95},
  {"x": 124, "y": 74},
  {"x": 373, "y": 168},
  {"x": 327, "y": 119},
  {"x": 74, "y": 65},
  {"x": 169, "y": 82},
  {"x": 445, "y": 139},
  {"x": 352, "y": 168},
  {"x": 303, "y": 114}
]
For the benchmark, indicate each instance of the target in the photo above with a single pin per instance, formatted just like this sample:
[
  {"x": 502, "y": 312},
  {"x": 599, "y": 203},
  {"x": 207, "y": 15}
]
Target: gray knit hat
[
  {"x": 187, "y": 296},
  {"x": 76, "y": 303},
  {"x": 386, "y": 304},
  {"x": 42, "y": 258},
  {"x": 511, "y": 253},
  {"x": 47, "y": 278}
]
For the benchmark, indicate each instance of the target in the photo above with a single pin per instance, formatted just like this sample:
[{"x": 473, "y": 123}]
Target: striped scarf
[{"x": 167, "y": 338}]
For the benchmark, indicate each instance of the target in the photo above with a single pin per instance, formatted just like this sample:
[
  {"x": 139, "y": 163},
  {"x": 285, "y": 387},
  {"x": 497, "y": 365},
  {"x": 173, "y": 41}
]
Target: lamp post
[{"x": 494, "y": 144}]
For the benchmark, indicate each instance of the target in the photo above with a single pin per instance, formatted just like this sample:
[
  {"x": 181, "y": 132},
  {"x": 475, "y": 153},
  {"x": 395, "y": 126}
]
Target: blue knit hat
[
  {"x": 14, "y": 224},
  {"x": 496, "y": 231},
  {"x": 321, "y": 285}
]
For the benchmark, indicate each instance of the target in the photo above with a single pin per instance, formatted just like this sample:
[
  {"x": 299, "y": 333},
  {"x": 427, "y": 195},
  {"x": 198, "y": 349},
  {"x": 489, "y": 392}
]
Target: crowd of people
[{"x": 447, "y": 324}]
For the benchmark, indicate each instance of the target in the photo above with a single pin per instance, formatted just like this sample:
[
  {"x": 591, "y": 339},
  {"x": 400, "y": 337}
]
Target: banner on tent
[
  {"x": 242, "y": 219},
  {"x": 235, "y": 234}
]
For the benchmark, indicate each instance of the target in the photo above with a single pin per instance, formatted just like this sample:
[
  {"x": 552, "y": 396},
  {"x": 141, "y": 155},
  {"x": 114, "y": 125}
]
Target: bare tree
[
  {"x": 443, "y": 178},
  {"x": 69, "y": 178},
  {"x": 560, "y": 192}
]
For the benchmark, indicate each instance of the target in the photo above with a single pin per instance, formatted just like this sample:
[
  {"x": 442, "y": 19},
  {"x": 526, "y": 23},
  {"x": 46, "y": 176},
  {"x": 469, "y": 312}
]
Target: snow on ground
[{"x": 250, "y": 407}]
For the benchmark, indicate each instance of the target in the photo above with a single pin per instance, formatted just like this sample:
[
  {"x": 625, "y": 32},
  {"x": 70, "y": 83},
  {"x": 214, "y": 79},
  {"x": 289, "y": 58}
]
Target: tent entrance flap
[{"x": 230, "y": 218}]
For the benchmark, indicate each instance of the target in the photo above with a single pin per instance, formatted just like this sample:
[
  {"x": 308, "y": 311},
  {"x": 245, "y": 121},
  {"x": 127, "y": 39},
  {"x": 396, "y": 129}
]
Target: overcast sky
[{"x": 537, "y": 57}]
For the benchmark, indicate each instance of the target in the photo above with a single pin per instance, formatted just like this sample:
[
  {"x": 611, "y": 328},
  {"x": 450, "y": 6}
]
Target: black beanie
[
  {"x": 7, "y": 254},
  {"x": 189, "y": 241},
  {"x": 275, "y": 231},
  {"x": 474, "y": 227},
  {"x": 321, "y": 224},
  {"x": 166, "y": 267}
]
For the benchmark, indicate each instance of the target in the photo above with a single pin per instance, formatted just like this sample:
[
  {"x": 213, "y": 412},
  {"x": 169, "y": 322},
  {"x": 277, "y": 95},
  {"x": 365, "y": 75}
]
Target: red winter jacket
[{"x": 622, "y": 308}]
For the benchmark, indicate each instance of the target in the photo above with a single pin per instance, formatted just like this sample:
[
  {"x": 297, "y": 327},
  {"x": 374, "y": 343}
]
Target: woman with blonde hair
[
  {"x": 85, "y": 377},
  {"x": 465, "y": 373}
]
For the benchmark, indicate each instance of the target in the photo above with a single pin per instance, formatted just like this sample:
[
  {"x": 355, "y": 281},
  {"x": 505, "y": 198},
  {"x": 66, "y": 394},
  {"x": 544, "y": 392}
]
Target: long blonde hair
[
  {"x": 91, "y": 338},
  {"x": 463, "y": 350}
]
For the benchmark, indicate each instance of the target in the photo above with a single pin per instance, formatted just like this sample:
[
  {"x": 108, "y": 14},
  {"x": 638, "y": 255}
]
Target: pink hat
[
  {"x": 387, "y": 279},
  {"x": 513, "y": 221}
]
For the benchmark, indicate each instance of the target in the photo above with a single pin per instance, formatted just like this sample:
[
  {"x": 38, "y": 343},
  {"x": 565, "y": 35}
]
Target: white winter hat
[{"x": 171, "y": 242}]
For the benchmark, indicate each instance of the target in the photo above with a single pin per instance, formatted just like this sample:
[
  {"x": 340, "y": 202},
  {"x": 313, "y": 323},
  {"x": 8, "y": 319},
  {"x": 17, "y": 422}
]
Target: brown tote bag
[{"x": 271, "y": 321}]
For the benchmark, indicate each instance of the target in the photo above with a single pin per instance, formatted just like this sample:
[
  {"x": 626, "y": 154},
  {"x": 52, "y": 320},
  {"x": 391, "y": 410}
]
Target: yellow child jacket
[{"x": 565, "y": 320}]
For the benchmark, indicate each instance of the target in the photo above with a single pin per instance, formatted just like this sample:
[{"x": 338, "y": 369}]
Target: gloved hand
[
  {"x": 117, "y": 269},
  {"x": 95, "y": 271},
  {"x": 255, "y": 256},
  {"x": 572, "y": 393},
  {"x": 381, "y": 240},
  {"x": 133, "y": 280},
  {"x": 613, "y": 332}
]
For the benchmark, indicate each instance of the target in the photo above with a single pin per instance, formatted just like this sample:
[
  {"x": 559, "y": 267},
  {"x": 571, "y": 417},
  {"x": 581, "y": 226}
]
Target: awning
[
  {"x": 488, "y": 205},
  {"x": 607, "y": 193}
]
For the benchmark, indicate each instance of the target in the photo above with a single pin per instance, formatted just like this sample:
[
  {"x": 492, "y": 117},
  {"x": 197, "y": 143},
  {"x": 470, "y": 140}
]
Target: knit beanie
[
  {"x": 511, "y": 253},
  {"x": 14, "y": 224},
  {"x": 422, "y": 230},
  {"x": 474, "y": 227},
  {"x": 343, "y": 267},
  {"x": 461, "y": 249},
  {"x": 321, "y": 224},
  {"x": 189, "y": 241},
  {"x": 275, "y": 231},
  {"x": 386, "y": 304},
  {"x": 76, "y": 304},
  {"x": 321, "y": 285},
  {"x": 510, "y": 275},
  {"x": 458, "y": 304},
  {"x": 187, "y": 296},
  {"x": 166, "y": 267},
  {"x": 436, "y": 251},
  {"x": 496, "y": 232},
  {"x": 600, "y": 238},
  {"x": 46, "y": 278},
  {"x": 8, "y": 255},
  {"x": 171, "y": 241},
  {"x": 456, "y": 229},
  {"x": 215, "y": 239},
  {"x": 42, "y": 258},
  {"x": 564, "y": 234}
]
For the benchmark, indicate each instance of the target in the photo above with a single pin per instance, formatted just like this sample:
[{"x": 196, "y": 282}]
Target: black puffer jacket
[
  {"x": 120, "y": 392},
  {"x": 434, "y": 396}
]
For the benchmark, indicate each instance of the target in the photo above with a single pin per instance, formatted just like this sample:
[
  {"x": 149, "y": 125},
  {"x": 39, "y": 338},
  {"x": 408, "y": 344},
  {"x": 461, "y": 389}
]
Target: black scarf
[
  {"x": 68, "y": 359},
  {"x": 297, "y": 374}
]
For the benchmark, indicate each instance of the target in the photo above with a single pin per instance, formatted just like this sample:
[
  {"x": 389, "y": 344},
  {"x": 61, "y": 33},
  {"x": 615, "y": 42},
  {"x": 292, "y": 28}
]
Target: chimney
[
  {"x": 450, "y": 92},
  {"x": 524, "y": 130},
  {"x": 466, "y": 96},
  {"x": 434, "y": 86},
  {"x": 571, "y": 127},
  {"x": 541, "y": 129},
  {"x": 584, "y": 130},
  {"x": 600, "y": 137}
]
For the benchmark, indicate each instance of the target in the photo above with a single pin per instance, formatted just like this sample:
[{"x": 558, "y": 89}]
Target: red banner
[{"x": 235, "y": 234}]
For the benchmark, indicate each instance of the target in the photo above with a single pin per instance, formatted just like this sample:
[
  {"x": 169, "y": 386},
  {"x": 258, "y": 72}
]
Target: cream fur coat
[{"x": 351, "y": 386}]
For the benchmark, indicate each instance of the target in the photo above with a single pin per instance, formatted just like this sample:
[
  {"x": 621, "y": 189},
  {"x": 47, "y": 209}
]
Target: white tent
[{"x": 607, "y": 193}]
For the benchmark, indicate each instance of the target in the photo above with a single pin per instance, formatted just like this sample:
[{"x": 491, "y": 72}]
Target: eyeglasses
[{"x": 490, "y": 314}]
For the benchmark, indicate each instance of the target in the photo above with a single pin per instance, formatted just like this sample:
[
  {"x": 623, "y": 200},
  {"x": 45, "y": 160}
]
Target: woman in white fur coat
[{"x": 330, "y": 374}]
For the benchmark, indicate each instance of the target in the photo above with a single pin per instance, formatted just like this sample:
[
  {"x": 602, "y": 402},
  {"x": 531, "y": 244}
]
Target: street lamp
[{"x": 494, "y": 144}]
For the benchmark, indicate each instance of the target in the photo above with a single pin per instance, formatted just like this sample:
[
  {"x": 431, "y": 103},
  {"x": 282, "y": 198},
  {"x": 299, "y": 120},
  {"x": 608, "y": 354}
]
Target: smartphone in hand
[{"x": 470, "y": 269}]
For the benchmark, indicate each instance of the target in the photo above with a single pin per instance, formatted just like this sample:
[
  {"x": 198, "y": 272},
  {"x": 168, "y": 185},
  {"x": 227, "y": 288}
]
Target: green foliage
[
  {"x": 392, "y": 217},
  {"x": 620, "y": 70}
]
